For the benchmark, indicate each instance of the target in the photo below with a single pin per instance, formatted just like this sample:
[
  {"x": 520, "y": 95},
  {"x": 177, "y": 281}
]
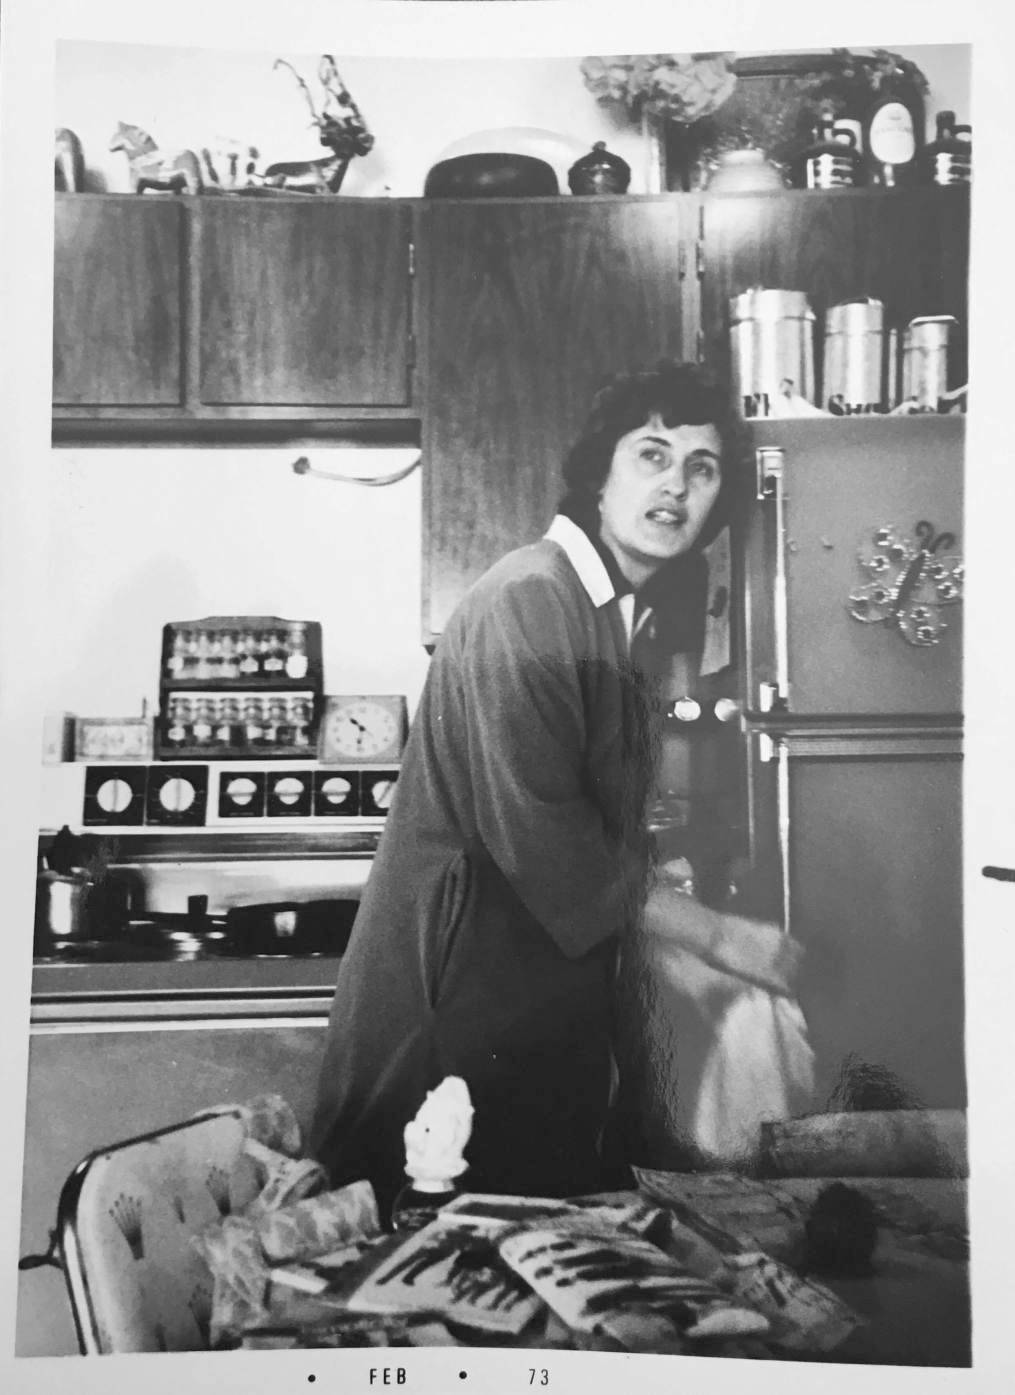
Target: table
[{"x": 915, "y": 1307}]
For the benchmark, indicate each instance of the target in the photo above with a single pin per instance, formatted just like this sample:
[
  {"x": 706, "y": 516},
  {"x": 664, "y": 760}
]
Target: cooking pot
[
  {"x": 494, "y": 174},
  {"x": 290, "y": 927},
  {"x": 76, "y": 900}
]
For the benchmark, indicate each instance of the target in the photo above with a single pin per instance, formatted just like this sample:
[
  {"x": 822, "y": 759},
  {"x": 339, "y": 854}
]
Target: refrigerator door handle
[
  {"x": 773, "y": 696},
  {"x": 775, "y": 749}
]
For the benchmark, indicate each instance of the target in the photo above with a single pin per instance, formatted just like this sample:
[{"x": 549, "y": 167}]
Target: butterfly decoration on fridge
[{"x": 911, "y": 579}]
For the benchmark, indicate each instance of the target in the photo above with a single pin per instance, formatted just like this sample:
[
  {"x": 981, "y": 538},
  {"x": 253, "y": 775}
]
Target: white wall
[
  {"x": 142, "y": 537},
  {"x": 189, "y": 97}
]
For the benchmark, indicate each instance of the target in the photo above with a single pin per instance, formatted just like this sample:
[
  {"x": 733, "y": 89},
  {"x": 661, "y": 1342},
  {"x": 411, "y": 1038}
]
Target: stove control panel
[{"x": 247, "y": 795}]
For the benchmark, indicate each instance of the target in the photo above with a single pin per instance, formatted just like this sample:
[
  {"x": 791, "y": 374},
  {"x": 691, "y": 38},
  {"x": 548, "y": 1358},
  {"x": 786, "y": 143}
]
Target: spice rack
[{"x": 237, "y": 686}]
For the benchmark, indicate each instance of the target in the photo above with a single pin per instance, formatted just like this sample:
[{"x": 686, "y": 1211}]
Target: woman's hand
[{"x": 755, "y": 951}]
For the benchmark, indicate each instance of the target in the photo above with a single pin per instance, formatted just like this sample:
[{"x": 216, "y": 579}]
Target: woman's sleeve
[{"x": 526, "y": 729}]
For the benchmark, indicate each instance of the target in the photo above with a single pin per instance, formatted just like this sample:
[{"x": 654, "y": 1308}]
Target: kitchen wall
[
  {"x": 415, "y": 108},
  {"x": 141, "y": 537}
]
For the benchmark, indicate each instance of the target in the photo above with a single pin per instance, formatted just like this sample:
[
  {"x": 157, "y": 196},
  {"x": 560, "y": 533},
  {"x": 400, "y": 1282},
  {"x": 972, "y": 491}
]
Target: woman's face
[{"x": 662, "y": 483}]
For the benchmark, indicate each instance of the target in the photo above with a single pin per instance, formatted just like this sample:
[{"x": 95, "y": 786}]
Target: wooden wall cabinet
[
  {"x": 118, "y": 303},
  {"x": 528, "y": 307},
  {"x": 303, "y": 305},
  {"x": 909, "y": 248},
  {"x": 174, "y": 312}
]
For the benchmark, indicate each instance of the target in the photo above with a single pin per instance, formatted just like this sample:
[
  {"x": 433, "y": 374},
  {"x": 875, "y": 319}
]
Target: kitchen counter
[{"x": 211, "y": 988}]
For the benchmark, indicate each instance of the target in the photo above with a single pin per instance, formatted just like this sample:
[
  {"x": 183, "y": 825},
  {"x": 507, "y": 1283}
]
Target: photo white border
[{"x": 495, "y": 28}]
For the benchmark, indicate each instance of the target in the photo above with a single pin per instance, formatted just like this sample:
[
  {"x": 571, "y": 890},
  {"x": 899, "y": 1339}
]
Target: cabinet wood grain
[
  {"x": 530, "y": 307},
  {"x": 304, "y": 302},
  {"x": 908, "y": 248},
  {"x": 117, "y": 302}
]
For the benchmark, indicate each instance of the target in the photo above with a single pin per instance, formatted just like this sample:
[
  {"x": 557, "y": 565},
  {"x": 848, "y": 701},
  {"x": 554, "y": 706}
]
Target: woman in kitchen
[{"x": 516, "y": 859}]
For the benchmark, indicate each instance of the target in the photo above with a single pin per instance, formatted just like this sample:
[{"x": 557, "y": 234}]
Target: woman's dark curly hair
[{"x": 679, "y": 394}]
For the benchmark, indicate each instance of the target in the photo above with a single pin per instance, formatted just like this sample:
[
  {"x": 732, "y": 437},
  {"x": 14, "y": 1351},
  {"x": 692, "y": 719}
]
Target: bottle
[
  {"x": 202, "y": 656},
  {"x": 229, "y": 668},
  {"x": 178, "y": 654},
  {"x": 296, "y": 663},
  {"x": 949, "y": 158},
  {"x": 417, "y": 1204},
  {"x": 893, "y": 131},
  {"x": 300, "y": 716},
  {"x": 229, "y": 729},
  {"x": 252, "y": 726},
  {"x": 831, "y": 161},
  {"x": 178, "y": 721},
  {"x": 249, "y": 664},
  {"x": 204, "y": 721},
  {"x": 272, "y": 654}
]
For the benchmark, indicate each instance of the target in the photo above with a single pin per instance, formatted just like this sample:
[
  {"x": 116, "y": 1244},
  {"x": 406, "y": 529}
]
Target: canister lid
[
  {"x": 864, "y": 315},
  {"x": 929, "y": 330},
  {"x": 764, "y": 303}
]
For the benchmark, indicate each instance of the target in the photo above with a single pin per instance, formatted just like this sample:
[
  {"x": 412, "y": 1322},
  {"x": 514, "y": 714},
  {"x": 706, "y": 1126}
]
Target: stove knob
[
  {"x": 727, "y": 710},
  {"x": 685, "y": 709},
  {"x": 177, "y": 795},
  {"x": 113, "y": 796}
]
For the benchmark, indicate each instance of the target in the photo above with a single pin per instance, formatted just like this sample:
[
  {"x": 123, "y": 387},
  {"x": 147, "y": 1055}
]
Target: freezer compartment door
[
  {"x": 857, "y": 843},
  {"x": 828, "y": 486}
]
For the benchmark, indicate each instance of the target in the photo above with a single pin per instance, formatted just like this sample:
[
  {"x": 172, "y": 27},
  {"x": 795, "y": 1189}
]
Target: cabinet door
[
  {"x": 873, "y": 842},
  {"x": 908, "y": 248},
  {"x": 530, "y": 308},
  {"x": 117, "y": 296},
  {"x": 843, "y": 480},
  {"x": 876, "y": 891},
  {"x": 304, "y": 303}
]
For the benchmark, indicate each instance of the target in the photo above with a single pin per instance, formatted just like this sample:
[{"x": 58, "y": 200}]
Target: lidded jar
[
  {"x": 599, "y": 172},
  {"x": 949, "y": 158},
  {"x": 772, "y": 348}
]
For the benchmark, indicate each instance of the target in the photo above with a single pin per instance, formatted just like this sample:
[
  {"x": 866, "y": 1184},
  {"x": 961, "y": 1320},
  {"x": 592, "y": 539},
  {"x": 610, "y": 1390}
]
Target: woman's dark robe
[{"x": 513, "y": 857}]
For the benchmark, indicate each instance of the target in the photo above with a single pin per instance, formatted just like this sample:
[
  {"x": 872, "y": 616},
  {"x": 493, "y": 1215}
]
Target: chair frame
[{"x": 68, "y": 1245}]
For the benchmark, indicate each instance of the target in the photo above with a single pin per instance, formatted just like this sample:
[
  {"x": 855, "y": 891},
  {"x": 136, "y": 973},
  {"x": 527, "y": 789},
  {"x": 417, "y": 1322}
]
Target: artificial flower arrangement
[
  {"x": 714, "y": 102},
  {"x": 679, "y": 86}
]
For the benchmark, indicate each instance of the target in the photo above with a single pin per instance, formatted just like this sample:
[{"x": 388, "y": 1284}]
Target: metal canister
[
  {"x": 925, "y": 360},
  {"x": 772, "y": 348},
  {"x": 853, "y": 363}
]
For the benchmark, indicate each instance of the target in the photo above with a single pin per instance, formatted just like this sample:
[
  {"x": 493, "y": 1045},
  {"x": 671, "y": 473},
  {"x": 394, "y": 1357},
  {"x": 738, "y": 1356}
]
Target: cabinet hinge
[
  {"x": 681, "y": 262},
  {"x": 411, "y": 355},
  {"x": 699, "y": 258},
  {"x": 412, "y": 259},
  {"x": 699, "y": 346}
]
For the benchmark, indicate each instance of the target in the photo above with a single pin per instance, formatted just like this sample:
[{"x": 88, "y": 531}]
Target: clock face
[{"x": 363, "y": 729}]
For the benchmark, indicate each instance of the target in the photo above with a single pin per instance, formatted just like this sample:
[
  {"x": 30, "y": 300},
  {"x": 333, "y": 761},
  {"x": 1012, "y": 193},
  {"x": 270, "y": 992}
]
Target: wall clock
[{"x": 363, "y": 730}]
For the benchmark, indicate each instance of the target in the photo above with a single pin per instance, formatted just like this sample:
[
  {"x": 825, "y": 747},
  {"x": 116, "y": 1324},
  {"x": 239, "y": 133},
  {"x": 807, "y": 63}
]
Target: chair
[{"x": 126, "y": 1217}]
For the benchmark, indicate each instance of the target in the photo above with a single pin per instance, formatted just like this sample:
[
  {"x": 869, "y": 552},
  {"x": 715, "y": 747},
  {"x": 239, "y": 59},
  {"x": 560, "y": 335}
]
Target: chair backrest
[{"x": 127, "y": 1214}]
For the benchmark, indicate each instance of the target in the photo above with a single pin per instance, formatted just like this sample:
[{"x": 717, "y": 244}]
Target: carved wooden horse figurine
[{"x": 179, "y": 171}]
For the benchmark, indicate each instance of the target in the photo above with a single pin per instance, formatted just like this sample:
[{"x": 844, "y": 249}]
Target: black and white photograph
[{"x": 494, "y": 706}]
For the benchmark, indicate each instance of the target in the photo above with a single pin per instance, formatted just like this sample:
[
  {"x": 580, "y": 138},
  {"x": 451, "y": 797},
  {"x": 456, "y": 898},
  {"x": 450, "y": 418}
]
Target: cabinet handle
[{"x": 770, "y": 464}]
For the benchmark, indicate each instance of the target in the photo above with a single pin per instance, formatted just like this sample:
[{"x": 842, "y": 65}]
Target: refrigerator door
[
  {"x": 831, "y": 486},
  {"x": 868, "y": 828}
]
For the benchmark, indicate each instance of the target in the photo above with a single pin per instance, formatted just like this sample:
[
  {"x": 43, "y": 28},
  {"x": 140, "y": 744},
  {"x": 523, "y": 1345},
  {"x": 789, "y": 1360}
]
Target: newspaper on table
[
  {"x": 596, "y": 1281},
  {"x": 490, "y": 1214},
  {"x": 451, "y": 1271}
]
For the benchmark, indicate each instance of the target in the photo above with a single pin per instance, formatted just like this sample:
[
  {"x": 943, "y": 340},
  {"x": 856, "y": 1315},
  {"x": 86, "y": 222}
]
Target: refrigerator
[{"x": 830, "y": 797}]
